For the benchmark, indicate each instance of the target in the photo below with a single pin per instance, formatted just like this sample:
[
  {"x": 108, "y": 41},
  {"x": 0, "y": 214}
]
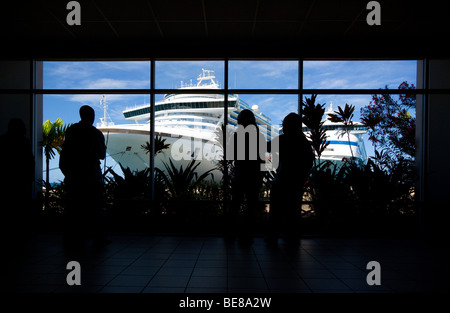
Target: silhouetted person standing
[
  {"x": 295, "y": 158},
  {"x": 83, "y": 148},
  {"x": 247, "y": 177},
  {"x": 17, "y": 176}
]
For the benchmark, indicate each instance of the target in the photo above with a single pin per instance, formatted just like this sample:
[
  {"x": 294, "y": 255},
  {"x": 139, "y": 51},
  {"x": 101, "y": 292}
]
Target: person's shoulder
[
  {"x": 98, "y": 131},
  {"x": 73, "y": 127}
]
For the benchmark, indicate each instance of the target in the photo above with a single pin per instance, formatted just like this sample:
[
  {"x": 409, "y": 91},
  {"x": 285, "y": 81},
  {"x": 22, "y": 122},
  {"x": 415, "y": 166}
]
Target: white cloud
[{"x": 109, "y": 83}]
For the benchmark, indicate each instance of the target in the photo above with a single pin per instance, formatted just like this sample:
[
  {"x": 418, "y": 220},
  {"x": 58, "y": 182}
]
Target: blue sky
[{"x": 242, "y": 75}]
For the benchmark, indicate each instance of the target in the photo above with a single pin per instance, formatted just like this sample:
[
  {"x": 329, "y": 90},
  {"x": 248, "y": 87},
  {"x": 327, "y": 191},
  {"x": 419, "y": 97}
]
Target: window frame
[{"x": 37, "y": 90}]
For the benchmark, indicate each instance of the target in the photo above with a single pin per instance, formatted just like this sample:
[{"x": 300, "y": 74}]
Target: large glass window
[{"x": 187, "y": 125}]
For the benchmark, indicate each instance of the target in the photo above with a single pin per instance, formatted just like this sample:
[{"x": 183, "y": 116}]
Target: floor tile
[
  {"x": 140, "y": 270},
  {"x": 315, "y": 273},
  {"x": 121, "y": 289},
  {"x": 180, "y": 263},
  {"x": 287, "y": 284},
  {"x": 138, "y": 263},
  {"x": 325, "y": 284},
  {"x": 205, "y": 290},
  {"x": 244, "y": 272},
  {"x": 169, "y": 281},
  {"x": 254, "y": 283},
  {"x": 219, "y": 282},
  {"x": 152, "y": 289},
  {"x": 175, "y": 271},
  {"x": 210, "y": 271},
  {"x": 130, "y": 280}
]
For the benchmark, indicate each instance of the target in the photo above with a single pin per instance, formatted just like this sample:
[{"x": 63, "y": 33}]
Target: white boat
[{"x": 188, "y": 122}]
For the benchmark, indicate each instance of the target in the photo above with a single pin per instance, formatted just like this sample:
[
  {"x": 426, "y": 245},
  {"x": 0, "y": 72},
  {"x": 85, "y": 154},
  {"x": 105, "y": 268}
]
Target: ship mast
[
  {"x": 106, "y": 119},
  {"x": 206, "y": 75}
]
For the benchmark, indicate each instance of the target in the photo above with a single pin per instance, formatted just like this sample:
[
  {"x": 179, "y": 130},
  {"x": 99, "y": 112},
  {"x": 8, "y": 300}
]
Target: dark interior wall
[
  {"x": 21, "y": 75},
  {"x": 15, "y": 75}
]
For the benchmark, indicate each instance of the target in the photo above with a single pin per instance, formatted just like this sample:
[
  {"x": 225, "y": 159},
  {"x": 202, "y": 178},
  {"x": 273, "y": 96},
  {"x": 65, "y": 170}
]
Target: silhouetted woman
[
  {"x": 247, "y": 176},
  {"x": 295, "y": 158}
]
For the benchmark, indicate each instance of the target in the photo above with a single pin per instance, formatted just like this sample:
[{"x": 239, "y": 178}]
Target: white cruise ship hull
[{"x": 124, "y": 146}]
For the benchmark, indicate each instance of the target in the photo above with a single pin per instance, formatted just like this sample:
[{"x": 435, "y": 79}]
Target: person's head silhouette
[
  {"x": 292, "y": 124},
  {"x": 246, "y": 117},
  {"x": 16, "y": 127},
  {"x": 87, "y": 114}
]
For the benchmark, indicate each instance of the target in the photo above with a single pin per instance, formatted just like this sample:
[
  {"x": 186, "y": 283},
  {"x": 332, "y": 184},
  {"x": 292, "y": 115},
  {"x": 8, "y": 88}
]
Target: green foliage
[
  {"x": 52, "y": 139},
  {"x": 344, "y": 116},
  {"x": 160, "y": 145},
  {"x": 391, "y": 122},
  {"x": 180, "y": 182},
  {"x": 133, "y": 184},
  {"x": 312, "y": 118},
  {"x": 382, "y": 187}
]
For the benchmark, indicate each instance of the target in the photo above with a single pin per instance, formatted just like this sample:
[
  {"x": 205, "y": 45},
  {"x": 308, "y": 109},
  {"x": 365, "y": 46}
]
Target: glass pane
[
  {"x": 110, "y": 119},
  {"x": 188, "y": 125},
  {"x": 97, "y": 75},
  {"x": 390, "y": 108},
  {"x": 263, "y": 75},
  {"x": 273, "y": 107},
  {"x": 191, "y": 125},
  {"x": 355, "y": 127},
  {"x": 339, "y": 145},
  {"x": 357, "y": 74},
  {"x": 186, "y": 74}
]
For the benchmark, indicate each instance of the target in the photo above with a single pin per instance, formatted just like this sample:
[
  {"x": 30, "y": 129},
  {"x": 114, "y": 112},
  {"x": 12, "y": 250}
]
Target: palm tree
[
  {"x": 346, "y": 117},
  {"x": 160, "y": 145},
  {"x": 52, "y": 139},
  {"x": 372, "y": 121}
]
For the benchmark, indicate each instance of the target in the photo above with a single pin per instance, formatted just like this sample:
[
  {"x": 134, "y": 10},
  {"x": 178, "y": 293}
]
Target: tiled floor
[{"x": 179, "y": 264}]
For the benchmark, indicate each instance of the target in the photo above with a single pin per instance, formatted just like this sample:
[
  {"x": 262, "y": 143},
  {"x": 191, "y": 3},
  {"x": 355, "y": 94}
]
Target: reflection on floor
[{"x": 183, "y": 264}]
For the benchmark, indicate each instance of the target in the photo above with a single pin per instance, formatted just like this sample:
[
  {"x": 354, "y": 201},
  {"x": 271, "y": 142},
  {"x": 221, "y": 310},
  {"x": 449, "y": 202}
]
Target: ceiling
[{"x": 224, "y": 28}]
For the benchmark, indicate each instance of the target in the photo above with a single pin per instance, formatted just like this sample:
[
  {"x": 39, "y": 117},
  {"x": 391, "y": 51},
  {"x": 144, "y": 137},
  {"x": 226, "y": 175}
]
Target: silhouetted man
[
  {"x": 295, "y": 158},
  {"x": 83, "y": 148}
]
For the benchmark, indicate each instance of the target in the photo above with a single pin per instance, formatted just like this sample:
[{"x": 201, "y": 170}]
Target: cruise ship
[{"x": 189, "y": 123}]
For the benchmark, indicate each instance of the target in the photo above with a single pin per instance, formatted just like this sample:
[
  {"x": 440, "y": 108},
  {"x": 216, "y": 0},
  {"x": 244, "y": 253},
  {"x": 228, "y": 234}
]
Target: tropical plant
[
  {"x": 344, "y": 116},
  {"x": 326, "y": 189},
  {"x": 130, "y": 194},
  {"x": 226, "y": 167},
  {"x": 133, "y": 184},
  {"x": 312, "y": 117},
  {"x": 181, "y": 181},
  {"x": 391, "y": 121},
  {"x": 160, "y": 145},
  {"x": 52, "y": 139}
]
